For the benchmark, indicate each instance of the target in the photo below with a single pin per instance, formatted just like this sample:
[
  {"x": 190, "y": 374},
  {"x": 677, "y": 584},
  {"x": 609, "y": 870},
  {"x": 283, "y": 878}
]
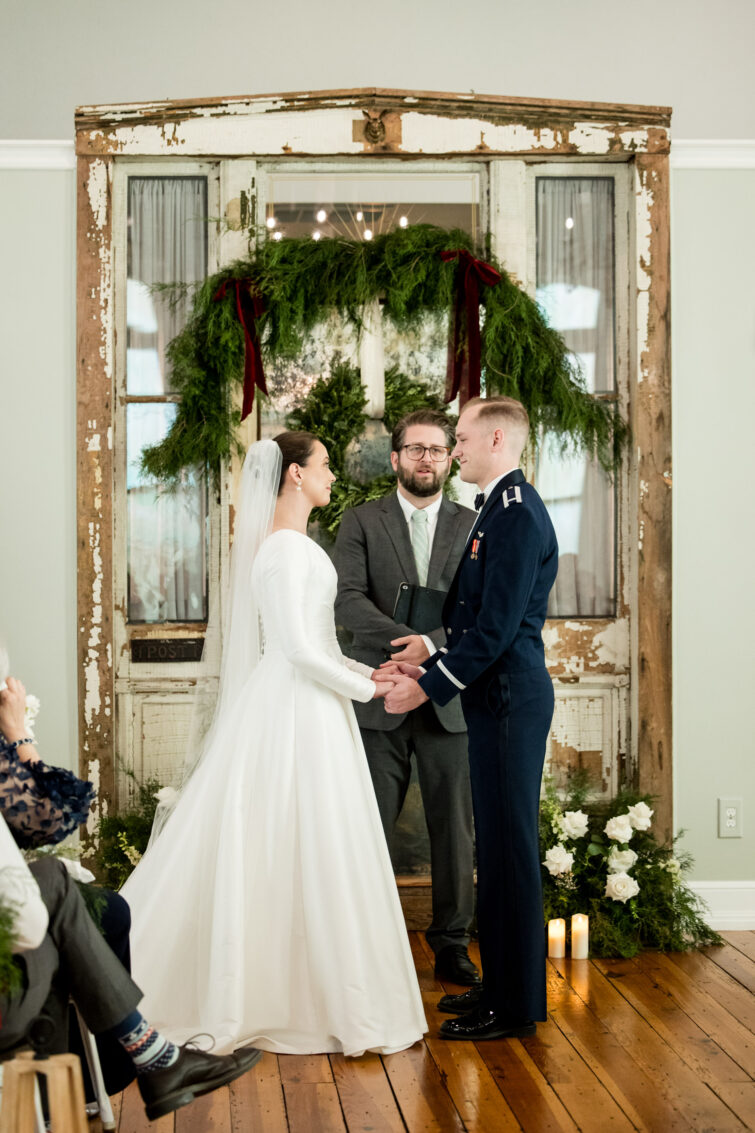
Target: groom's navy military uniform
[{"x": 494, "y": 657}]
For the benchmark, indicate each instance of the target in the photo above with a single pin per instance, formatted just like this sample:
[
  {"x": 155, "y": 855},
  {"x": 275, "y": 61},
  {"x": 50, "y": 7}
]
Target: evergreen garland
[
  {"x": 302, "y": 281},
  {"x": 10, "y": 973}
]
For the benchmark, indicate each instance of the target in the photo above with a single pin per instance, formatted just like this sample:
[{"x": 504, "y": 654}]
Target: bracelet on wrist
[{"x": 15, "y": 744}]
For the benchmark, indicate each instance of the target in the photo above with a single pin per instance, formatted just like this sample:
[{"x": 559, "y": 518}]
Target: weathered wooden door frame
[{"x": 370, "y": 124}]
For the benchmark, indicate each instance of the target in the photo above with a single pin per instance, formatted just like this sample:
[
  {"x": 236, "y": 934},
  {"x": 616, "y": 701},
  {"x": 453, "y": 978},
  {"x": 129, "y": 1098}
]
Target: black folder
[{"x": 419, "y": 607}]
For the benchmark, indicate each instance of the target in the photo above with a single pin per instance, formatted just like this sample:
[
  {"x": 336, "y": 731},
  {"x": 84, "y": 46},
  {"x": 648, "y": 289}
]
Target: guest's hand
[
  {"x": 12, "y": 709},
  {"x": 414, "y": 650},
  {"x": 405, "y": 695},
  {"x": 396, "y": 667}
]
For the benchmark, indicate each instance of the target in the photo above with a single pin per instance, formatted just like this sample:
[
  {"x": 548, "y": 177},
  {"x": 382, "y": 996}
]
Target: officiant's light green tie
[{"x": 421, "y": 543}]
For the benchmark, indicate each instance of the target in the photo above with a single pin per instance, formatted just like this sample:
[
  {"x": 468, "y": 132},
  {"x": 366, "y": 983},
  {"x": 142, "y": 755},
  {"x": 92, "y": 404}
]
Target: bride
[{"x": 265, "y": 910}]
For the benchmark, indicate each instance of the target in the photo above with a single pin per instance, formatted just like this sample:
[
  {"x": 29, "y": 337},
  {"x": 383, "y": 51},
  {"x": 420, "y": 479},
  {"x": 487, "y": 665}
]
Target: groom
[{"x": 493, "y": 617}]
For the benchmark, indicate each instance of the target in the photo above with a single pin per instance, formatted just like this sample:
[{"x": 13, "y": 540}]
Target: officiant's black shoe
[
  {"x": 453, "y": 964},
  {"x": 482, "y": 1024},
  {"x": 194, "y": 1073},
  {"x": 460, "y": 1004}
]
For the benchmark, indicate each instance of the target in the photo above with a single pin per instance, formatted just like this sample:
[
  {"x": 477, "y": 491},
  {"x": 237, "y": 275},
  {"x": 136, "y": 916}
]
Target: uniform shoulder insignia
[{"x": 511, "y": 495}]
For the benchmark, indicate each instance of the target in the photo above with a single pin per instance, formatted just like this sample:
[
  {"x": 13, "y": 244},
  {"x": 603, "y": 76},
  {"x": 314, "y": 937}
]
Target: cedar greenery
[
  {"x": 303, "y": 281},
  {"x": 122, "y": 838},
  {"x": 10, "y": 973}
]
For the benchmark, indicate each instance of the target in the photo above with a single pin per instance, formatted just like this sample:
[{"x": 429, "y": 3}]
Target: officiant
[{"x": 395, "y": 558}]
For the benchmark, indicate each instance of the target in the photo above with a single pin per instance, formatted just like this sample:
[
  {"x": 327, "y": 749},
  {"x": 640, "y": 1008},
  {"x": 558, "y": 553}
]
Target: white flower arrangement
[
  {"x": 640, "y": 816},
  {"x": 573, "y": 824}
]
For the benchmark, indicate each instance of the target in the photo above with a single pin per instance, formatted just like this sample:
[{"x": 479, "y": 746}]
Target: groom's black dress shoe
[
  {"x": 483, "y": 1024},
  {"x": 194, "y": 1073},
  {"x": 460, "y": 1004},
  {"x": 453, "y": 964}
]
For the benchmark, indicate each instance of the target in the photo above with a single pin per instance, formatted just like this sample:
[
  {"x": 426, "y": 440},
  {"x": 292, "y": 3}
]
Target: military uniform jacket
[
  {"x": 373, "y": 556},
  {"x": 497, "y": 603}
]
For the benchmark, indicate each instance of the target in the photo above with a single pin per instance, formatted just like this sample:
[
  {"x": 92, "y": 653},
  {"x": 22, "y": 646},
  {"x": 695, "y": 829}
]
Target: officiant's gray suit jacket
[{"x": 373, "y": 556}]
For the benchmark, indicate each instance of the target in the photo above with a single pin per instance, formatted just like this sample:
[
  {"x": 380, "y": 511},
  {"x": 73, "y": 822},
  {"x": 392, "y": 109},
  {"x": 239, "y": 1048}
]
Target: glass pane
[
  {"x": 360, "y": 206},
  {"x": 575, "y": 270},
  {"x": 580, "y": 499},
  {"x": 167, "y": 532},
  {"x": 167, "y": 243},
  {"x": 575, "y": 288}
]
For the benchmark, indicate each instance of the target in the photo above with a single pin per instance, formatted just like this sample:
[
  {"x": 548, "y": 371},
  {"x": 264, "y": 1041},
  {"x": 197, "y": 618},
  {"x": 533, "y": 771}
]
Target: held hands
[
  {"x": 405, "y": 695},
  {"x": 414, "y": 650},
  {"x": 394, "y": 668},
  {"x": 383, "y": 683}
]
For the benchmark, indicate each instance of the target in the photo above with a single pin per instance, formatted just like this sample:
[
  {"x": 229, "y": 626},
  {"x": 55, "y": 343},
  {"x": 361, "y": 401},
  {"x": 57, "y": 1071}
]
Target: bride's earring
[{"x": 298, "y": 486}]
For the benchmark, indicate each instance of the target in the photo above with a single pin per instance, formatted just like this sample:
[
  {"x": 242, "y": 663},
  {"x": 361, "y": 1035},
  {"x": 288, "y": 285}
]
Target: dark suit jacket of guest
[{"x": 373, "y": 556}]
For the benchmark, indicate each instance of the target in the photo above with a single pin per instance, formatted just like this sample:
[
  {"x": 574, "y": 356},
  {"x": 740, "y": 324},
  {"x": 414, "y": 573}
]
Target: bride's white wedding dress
[{"x": 266, "y": 911}]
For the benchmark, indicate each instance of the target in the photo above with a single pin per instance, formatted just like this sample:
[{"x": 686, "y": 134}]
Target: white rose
[
  {"x": 621, "y": 861},
  {"x": 31, "y": 710},
  {"x": 558, "y": 860},
  {"x": 640, "y": 815},
  {"x": 619, "y": 828},
  {"x": 620, "y": 887},
  {"x": 166, "y": 796},
  {"x": 574, "y": 824}
]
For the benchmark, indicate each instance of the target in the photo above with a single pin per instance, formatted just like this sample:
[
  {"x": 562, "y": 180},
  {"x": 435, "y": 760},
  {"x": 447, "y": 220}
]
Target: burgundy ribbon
[
  {"x": 249, "y": 307},
  {"x": 463, "y": 368}
]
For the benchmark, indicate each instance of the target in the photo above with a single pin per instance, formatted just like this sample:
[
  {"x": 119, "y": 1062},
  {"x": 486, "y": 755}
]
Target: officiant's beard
[{"x": 429, "y": 486}]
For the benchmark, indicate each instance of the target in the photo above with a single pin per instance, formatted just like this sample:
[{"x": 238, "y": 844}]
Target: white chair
[{"x": 95, "y": 1073}]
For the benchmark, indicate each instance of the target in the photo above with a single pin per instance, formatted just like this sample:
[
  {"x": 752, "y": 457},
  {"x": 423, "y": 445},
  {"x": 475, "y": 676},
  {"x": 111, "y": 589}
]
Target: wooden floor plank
[
  {"x": 702, "y": 973},
  {"x": 672, "y": 1078},
  {"x": 714, "y": 1019},
  {"x": 422, "y": 1097},
  {"x": 674, "y": 1025},
  {"x": 365, "y": 1094},
  {"x": 133, "y": 1118},
  {"x": 531, "y": 1098},
  {"x": 208, "y": 1114},
  {"x": 739, "y": 966},
  {"x": 743, "y": 941},
  {"x": 313, "y": 1107},
  {"x": 622, "y": 1076},
  {"x": 257, "y": 1100},
  {"x": 472, "y": 1087},
  {"x": 305, "y": 1068}
]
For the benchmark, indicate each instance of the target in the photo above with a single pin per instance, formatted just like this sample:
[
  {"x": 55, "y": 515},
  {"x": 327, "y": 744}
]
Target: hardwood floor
[{"x": 659, "y": 1043}]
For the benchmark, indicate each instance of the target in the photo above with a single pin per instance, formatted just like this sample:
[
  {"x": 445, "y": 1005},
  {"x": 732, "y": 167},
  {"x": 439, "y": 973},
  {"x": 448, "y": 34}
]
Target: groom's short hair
[
  {"x": 509, "y": 412},
  {"x": 421, "y": 417}
]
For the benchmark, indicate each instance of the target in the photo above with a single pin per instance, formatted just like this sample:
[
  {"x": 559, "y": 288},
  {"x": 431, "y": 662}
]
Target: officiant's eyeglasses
[{"x": 416, "y": 452}]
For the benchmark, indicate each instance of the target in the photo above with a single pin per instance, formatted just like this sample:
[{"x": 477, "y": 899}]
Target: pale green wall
[
  {"x": 38, "y": 431},
  {"x": 713, "y": 335}
]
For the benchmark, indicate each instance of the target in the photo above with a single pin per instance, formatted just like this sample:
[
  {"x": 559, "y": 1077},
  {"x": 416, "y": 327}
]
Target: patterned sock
[{"x": 146, "y": 1047}]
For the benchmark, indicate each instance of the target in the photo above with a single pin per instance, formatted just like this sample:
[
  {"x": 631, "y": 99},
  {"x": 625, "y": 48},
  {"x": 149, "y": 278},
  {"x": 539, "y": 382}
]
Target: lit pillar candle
[
  {"x": 580, "y": 936},
  {"x": 557, "y": 938}
]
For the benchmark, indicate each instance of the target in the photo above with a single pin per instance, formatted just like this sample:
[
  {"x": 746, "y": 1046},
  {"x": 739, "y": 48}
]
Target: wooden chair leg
[{"x": 65, "y": 1093}]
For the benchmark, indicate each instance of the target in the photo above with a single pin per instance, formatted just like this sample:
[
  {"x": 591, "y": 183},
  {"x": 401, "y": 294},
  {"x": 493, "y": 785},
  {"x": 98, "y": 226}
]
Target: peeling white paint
[
  {"x": 589, "y": 138},
  {"x": 612, "y": 644},
  {"x": 93, "y": 443},
  {"x": 97, "y": 190},
  {"x": 634, "y": 140},
  {"x": 551, "y": 637}
]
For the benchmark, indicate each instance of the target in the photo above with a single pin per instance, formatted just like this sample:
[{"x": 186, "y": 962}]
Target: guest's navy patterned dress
[{"x": 42, "y": 805}]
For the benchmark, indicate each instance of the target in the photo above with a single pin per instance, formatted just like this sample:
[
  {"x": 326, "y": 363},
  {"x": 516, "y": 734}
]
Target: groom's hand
[
  {"x": 392, "y": 668},
  {"x": 414, "y": 649},
  {"x": 383, "y": 683},
  {"x": 405, "y": 695}
]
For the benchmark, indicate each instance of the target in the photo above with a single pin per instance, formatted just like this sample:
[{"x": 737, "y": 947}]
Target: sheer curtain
[
  {"x": 575, "y": 288},
  {"x": 167, "y": 533}
]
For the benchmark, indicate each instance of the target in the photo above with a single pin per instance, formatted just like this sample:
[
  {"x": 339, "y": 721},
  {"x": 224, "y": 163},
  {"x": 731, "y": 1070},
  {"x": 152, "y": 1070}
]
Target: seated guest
[{"x": 61, "y": 954}]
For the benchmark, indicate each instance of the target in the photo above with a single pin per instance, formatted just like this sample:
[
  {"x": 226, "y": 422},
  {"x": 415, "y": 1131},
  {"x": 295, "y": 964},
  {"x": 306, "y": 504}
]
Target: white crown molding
[
  {"x": 724, "y": 153},
  {"x": 37, "y": 155},
  {"x": 731, "y": 904}
]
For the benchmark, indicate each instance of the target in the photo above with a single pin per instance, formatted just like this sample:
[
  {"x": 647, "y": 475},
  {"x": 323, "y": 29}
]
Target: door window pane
[
  {"x": 167, "y": 531},
  {"x": 167, "y": 243},
  {"x": 576, "y": 289}
]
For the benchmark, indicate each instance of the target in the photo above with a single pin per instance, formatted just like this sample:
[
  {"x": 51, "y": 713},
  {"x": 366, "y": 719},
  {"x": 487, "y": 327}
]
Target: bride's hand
[{"x": 383, "y": 685}]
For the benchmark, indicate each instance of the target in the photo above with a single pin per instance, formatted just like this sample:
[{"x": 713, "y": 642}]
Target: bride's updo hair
[{"x": 296, "y": 448}]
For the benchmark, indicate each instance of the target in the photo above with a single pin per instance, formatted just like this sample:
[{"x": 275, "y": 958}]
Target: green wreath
[{"x": 301, "y": 282}]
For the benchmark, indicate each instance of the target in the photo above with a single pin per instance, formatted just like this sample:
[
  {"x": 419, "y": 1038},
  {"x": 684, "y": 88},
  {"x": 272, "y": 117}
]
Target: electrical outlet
[{"x": 729, "y": 818}]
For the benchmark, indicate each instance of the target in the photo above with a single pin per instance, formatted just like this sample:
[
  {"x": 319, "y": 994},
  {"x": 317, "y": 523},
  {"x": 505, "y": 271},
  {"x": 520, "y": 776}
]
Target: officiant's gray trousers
[
  {"x": 443, "y": 773},
  {"x": 73, "y": 960}
]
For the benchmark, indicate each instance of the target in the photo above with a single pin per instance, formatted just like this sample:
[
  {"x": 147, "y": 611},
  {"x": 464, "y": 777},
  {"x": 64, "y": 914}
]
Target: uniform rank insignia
[{"x": 511, "y": 495}]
